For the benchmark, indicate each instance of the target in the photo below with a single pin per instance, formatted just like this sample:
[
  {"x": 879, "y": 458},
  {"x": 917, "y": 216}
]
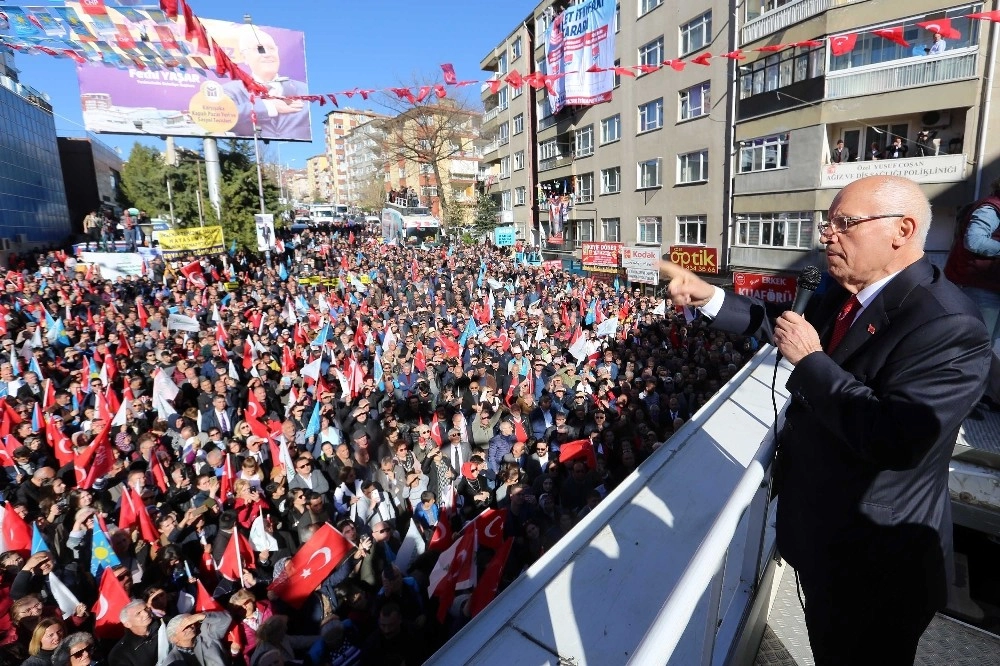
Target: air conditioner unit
[
  {"x": 4, "y": 244},
  {"x": 936, "y": 119}
]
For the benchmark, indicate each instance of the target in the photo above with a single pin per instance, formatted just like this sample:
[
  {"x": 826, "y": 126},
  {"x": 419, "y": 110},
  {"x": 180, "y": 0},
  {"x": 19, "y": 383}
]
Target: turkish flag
[
  {"x": 93, "y": 7},
  {"x": 580, "y": 449},
  {"x": 419, "y": 359},
  {"x": 203, "y": 601},
  {"x": 894, "y": 35},
  {"x": 702, "y": 59},
  {"x": 146, "y": 528},
  {"x": 159, "y": 474},
  {"x": 514, "y": 79},
  {"x": 443, "y": 535},
  {"x": 169, "y": 7},
  {"x": 842, "y": 44},
  {"x": 234, "y": 562},
  {"x": 194, "y": 274},
  {"x": 61, "y": 444},
  {"x": 449, "y": 74},
  {"x": 486, "y": 588},
  {"x": 454, "y": 566},
  {"x": 489, "y": 527},
  {"x": 111, "y": 599},
  {"x": 287, "y": 360},
  {"x": 247, "y": 356},
  {"x": 16, "y": 533},
  {"x": 941, "y": 27},
  {"x": 310, "y": 566},
  {"x": 128, "y": 514},
  {"x": 96, "y": 460},
  {"x": 986, "y": 16}
]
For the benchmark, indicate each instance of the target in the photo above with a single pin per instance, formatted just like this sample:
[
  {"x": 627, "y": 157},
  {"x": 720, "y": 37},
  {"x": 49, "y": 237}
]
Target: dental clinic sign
[{"x": 936, "y": 169}]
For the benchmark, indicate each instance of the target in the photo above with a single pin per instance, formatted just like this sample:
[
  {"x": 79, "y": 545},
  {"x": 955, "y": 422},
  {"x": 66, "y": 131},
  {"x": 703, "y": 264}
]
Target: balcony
[
  {"x": 555, "y": 162},
  {"x": 786, "y": 15},
  {"x": 904, "y": 73},
  {"x": 491, "y": 114},
  {"x": 491, "y": 147}
]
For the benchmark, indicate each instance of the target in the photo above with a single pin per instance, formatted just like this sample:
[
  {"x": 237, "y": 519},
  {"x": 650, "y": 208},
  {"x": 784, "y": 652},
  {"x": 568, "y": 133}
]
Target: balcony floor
[{"x": 946, "y": 641}]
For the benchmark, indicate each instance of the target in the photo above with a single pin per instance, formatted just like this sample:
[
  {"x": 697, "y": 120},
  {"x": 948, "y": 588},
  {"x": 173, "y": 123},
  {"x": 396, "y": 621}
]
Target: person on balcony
[
  {"x": 896, "y": 150},
  {"x": 840, "y": 154},
  {"x": 939, "y": 45}
]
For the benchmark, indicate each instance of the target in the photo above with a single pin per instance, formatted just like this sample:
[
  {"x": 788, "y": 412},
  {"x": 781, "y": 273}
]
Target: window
[
  {"x": 691, "y": 229},
  {"x": 793, "y": 230},
  {"x": 503, "y": 134},
  {"x": 583, "y": 141},
  {"x": 618, "y": 16},
  {"x": 648, "y": 174},
  {"x": 585, "y": 188},
  {"x": 646, "y": 6},
  {"x": 649, "y": 231},
  {"x": 696, "y": 101},
  {"x": 518, "y": 160},
  {"x": 692, "y": 167},
  {"x": 764, "y": 154},
  {"x": 611, "y": 229},
  {"x": 502, "y": 99},
  {"x": 516, "y": 92},
  {"x": 548, "y": 149},
  {"x": 429, "y": 191},
  {"x": 586, "y": 230},
  {"x": 518, "y": 123},
  {"x": 506, "y": 200},
  {"x": 519, "y": 196},
  {"x": 870, "y": 49},
  {"x": 651, "y": 115},
  {"x": 505, "y": 167},
  {"x": 651, "y": 53},
  {"x": 792, "y": 65},
  {"x": 696, "y": 34},
  {"x": 618, "y": 77},
  {"x": 426, "y": 168},
  {"x": 502, "y": 63},
  {"x": 611, "y": 181},
  {"x": 611, "y": 129},
  {"x": 515, "y": 49},
  {"x": 542, "y": 24}
]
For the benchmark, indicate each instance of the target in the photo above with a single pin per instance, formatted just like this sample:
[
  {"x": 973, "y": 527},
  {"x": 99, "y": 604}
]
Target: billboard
[
  {"x": 192, "y": 240},
  {"x": 580, "y": 39},
  {"x": 765, "y": 287},
  {"x": 601, "y": 257},
  {"x": 264, "y": 225},
  {"x": 695, "y": 258},
  {"x": 641, "y": 257},
  {"x": 188, "y": 99}
]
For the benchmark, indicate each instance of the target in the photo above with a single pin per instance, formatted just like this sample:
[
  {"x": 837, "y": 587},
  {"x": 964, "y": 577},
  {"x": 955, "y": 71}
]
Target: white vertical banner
[{"x": 264, "y": 224}]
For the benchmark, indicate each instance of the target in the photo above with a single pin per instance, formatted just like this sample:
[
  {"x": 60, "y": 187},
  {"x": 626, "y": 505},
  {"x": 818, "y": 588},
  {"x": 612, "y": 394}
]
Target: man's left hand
[{"x": 795, "y": 338}]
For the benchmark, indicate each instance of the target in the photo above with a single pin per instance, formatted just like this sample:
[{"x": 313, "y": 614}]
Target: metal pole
[
  {"x": 260, "y": 174},
  {"x": 213, "y": 175},
  {"x": 170, "y": 200},
  {"x": 201, "y": 209}
]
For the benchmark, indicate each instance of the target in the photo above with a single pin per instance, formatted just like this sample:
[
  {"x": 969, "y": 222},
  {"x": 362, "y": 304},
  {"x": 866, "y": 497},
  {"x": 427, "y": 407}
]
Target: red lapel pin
[{"x": 871, "y": 329}]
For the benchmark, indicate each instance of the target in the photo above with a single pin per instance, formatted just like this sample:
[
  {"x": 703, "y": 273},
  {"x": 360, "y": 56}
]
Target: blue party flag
[
  {"x": 232, "y": 248},
  {"x": 38, "y": 544},
  {"x": 102, "y": 555},
  {"x": 377, "y": 373},
  {"x": 312, "y": 428},
  {"x": 282, "y": 273}
]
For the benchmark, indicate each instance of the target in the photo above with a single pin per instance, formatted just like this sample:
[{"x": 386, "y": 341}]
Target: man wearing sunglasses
[{"x": 888, "y": 364}]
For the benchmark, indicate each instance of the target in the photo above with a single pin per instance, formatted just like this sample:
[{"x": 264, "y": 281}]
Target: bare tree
[
  {"x": 371, "y": 195},
  {"x": 427, "y": 130}
]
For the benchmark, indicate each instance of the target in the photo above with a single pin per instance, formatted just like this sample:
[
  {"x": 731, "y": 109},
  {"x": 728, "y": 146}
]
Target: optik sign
[{"x": 697, "y": 259}]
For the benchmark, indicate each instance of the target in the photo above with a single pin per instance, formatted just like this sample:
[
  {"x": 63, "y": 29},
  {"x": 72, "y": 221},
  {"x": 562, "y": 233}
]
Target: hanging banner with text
[
  {"x": 114, "y": 265},
  {"x": 581, "y": 39},
  {"x": 642, "y": 257},
  {"x": 194, "y": 240},
  {"x": 504, "y": 236},
  {"x": 694, "y": 258},
  {"x": 936, "y": 169},
  {"x": 768, "y": 288},
  {"x": 601, "y": 257},
  {"x": 643, "y": 275}
]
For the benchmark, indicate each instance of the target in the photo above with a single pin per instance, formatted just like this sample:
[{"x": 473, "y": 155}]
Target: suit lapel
[{"x": 877, "y": 316}]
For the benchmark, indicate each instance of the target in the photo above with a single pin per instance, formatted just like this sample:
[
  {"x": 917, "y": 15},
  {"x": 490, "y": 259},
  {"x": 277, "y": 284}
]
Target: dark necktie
[{"x": 844, "y": 320}]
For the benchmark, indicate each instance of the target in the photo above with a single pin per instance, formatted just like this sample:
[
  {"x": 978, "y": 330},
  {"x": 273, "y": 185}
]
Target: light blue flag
[
  {"x": 471, "y": 331},
  {"x": 618, "y": 286},
  {"x": 312, "y": 428},
  {"x": 323, "y": 336},
  {"x": 35, "y": 368},
  {"x": 101, "y": 553},
  {"x": 377, "y": 373},
  {"x": 38, "y": 544},
  {"x": 50, "y": 323},
  {"x": 232, "y": 248},
  {"x": 282, "y": 273},
  {"x": 42, "y": 287},
  {"x": 591, "y": 313},
  {"x": 482, "y": 274}
]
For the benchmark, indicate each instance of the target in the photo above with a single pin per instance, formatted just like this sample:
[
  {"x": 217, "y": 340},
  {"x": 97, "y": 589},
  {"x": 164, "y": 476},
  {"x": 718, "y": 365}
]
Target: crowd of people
[{"x": 175, "y": 455}]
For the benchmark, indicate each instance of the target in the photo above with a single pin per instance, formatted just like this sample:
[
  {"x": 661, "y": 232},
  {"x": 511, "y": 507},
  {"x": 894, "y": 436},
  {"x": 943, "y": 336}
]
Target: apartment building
[
  {"x": 795, "y": 103},
  {"x": 365, "y": 166},
  {"x": 649, "y": 167},
  {"x": 320, "y": 178},
  {"x": 336, "y": 126}
]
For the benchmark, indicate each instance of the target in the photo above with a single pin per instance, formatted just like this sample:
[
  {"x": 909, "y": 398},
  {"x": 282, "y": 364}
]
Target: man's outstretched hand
[{"x": 685, "y": 288}]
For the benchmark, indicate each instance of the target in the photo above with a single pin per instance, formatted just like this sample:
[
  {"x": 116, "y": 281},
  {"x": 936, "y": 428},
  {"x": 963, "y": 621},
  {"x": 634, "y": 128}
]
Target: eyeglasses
[
  {"x": 304, "y": 466},
  {"x": 89, "y": 649},
  {"x": 839, "y": 224}
]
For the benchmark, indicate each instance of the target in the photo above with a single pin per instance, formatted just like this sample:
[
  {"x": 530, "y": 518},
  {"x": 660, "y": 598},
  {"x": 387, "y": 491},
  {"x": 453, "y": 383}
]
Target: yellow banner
[{"x": 196, "y": 240}]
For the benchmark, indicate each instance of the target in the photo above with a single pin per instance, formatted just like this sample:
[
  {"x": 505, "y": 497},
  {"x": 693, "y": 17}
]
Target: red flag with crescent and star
[
  {"x": 489, "y": 527},
  {"x": 310, "y": 566},
  {"x": 111, "y": 599}
]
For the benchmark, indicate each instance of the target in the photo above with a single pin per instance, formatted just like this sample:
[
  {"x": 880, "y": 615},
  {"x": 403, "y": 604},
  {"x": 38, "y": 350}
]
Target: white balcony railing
[
  {"x": 786, "y": 15},
  {"x": 491, "y": 114},
  {"x": 903, "y": 73},
  {"x": 503, "y": 140},
  {"x": 491, "y": 147}
]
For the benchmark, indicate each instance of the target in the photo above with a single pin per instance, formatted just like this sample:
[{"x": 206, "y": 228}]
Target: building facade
[
  {"x": 32, "y": 195},
  {"x": 730, "y": 166},
  {"x": 650, "y": 167},
  {"x": 796, "y": 103},
  {"x": 366, "y": 174},
  {"x": 320, "y": 179},
  {"x": 336, "y": 126},
  {"x": 92, "y": 175}
]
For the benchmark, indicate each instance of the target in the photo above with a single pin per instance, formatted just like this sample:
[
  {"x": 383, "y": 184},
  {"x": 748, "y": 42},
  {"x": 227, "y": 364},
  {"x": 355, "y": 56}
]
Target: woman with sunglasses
[{"x": 76, "y": 650}]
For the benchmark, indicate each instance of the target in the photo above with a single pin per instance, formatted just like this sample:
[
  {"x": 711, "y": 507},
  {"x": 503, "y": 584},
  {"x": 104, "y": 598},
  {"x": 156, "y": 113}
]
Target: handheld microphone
[{"x": 807, "y": 283}]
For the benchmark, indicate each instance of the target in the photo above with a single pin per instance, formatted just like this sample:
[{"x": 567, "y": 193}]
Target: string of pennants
[{"x": 85, "y": 32}]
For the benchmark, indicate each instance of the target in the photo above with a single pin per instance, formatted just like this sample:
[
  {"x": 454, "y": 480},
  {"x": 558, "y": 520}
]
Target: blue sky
[{"x": 349, "y": 43}]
